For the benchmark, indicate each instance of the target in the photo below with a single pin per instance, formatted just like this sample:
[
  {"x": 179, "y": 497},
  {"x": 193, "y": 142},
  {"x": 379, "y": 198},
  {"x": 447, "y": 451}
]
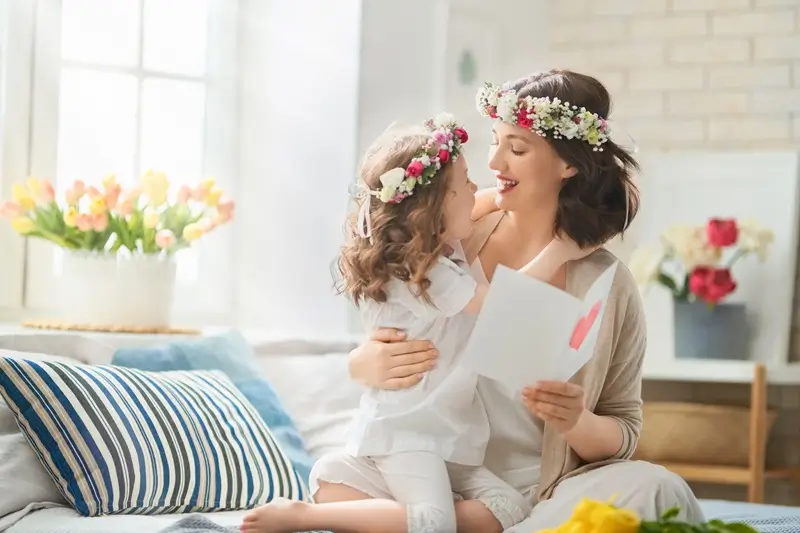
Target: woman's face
[
  {"x": 459, "y": 202},
  {"x": 529, "y": 172}
]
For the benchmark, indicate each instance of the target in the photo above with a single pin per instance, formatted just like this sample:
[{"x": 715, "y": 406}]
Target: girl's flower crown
[
  {"x": 397, "y": 184},
  {"x": 543, "y": 114},
  {"x": 444, "y": 146}
]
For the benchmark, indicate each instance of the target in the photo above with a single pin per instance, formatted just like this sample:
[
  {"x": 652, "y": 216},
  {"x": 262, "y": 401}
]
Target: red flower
[
  {"x": 711, "y": 284},
  {"x": 415, "y": 169},
  {"x": 444, "y": 156},
  {"x": 492, "y": 110},
  {"x": 522, "y": 119},
  {"x": 461, "y": 133},
  {"x": 722, "y": 232}
]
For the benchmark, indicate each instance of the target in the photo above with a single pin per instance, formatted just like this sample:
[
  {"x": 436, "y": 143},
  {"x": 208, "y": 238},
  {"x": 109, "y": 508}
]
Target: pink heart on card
[{"x": 584, "y": 326}]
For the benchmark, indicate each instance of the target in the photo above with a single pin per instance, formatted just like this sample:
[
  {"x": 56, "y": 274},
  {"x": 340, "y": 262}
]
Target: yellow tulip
[
  {"x": 576, "y": 527},
  {"x": 192, "y": 232},
  {"x": 610, "y": 520},
  {"x": 97, "y": 205},
  {"x": 584, "y": 509},
  {"x": 109, "y": 181},
  {"x": 23, "y": 198},
  {"x": 151, "y": 219},
  {"x": 207, "y": 183},
  {"x": 34, "y": 187},
  {"x": 23, "y": 225},
  {"x": 155, "y": 185},
  {"x": 212, "y": 199},
  {"x": 71, "y": 217}
]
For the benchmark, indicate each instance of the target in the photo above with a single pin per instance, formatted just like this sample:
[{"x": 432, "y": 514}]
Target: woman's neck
[{"x": 532, "y": 228}]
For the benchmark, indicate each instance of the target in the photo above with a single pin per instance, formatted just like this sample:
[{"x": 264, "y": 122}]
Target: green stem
[{"x": 735, "y": 257}]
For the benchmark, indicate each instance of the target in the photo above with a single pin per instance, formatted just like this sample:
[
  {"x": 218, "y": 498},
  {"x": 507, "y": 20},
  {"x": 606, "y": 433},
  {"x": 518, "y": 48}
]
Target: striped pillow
[{"x": 118, "y": 440}]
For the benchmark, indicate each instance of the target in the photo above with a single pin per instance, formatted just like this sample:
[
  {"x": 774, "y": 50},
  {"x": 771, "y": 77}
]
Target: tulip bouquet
[
  {"x": 695, "y": 262},
  {"x": 140, "y": 220},
  {"x": 591, "y": 516}
]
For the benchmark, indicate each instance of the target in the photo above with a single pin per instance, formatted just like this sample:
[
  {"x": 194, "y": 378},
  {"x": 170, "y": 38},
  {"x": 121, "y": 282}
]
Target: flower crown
[
  {"x": 543, "y": 114},
  {"x": 444, "y": 146}
]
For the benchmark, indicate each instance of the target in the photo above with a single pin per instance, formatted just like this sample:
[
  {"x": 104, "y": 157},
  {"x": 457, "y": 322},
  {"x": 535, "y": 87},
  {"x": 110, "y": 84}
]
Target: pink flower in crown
[
  {"x": 444, "y": 156},
  {"x": 415, "y": 169},
  {"x": 602, "y": 124},
  {"x": 461, "y": 134},
  {"x": 442, "y": 137},
  {"x": 492, "y": 110},
  {"x": 522, "y": 118},
  {"x": 398, "y": 198}
]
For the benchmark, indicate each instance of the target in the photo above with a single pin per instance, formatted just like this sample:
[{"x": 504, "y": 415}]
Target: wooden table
[{"x": 755, "y": 474}]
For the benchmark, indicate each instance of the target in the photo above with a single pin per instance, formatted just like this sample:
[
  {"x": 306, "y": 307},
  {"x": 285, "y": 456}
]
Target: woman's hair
[
  {"x": 406, "y": 236},
  {"x": 601, "y": 199}
]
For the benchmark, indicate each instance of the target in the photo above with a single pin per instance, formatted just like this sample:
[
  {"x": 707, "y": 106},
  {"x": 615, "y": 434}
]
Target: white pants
[
  {"x": 644, "y": 488},
  {"x": 426, "y": 484}
]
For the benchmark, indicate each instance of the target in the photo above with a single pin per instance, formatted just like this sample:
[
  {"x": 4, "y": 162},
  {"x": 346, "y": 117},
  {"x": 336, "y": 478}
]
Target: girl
[{"x": 405, "y": 268}]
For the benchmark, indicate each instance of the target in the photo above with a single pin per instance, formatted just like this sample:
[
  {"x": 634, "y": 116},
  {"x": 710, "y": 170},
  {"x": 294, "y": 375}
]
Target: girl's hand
[
  {"x": 388, "y": 361},
  {"x": 558, "y": 403}
]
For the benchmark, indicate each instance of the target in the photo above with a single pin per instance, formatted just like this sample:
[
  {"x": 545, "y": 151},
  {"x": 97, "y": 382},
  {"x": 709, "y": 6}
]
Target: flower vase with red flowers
[{"x": 695, "y": 263}]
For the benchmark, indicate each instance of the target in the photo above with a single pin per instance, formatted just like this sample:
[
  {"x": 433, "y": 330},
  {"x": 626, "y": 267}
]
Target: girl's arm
[{"x": 484, "y": 203}]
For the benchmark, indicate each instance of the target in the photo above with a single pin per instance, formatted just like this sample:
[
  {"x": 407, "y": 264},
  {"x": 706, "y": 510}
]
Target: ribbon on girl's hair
[{"x": 363, "y": 194}]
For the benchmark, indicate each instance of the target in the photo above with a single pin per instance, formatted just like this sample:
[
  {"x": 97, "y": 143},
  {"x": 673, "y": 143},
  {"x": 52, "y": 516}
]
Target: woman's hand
[
  {"x": 558, "y": 403},
  {"x": 388, "y": 361}
]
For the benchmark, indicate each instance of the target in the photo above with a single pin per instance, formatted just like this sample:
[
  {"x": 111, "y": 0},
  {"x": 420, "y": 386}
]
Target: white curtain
[{"x": 298, "y": 135}]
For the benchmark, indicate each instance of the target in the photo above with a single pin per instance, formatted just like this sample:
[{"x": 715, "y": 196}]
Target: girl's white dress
[{"x": 443, "y": 414}]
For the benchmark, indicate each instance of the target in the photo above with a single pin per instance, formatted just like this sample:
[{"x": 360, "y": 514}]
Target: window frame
[{"x": 210, "y": 299}]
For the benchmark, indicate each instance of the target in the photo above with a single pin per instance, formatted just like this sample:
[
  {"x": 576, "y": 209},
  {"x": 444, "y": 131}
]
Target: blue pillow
[
  {"x": 122, "y": 441},
  {"x": 231, "y": 354}
]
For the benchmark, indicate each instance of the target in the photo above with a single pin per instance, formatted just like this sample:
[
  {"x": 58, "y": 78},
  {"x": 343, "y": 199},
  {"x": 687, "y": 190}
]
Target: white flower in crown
[
  {"x": 444, "y": 120},
  {"x": 390, "y": 182},
  {"x": 507, "y": 106}
]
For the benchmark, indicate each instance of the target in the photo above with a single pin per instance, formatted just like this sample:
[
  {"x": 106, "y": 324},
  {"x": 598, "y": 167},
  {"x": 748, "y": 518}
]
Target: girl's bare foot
[{"x": 278, "y": 516}]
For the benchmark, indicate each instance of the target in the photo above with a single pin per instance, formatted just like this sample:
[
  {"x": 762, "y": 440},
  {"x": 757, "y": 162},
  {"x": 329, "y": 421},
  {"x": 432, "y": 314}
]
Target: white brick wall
[
  {"x": 697, "y": 74},
  {"x": 721, "y": 63}
]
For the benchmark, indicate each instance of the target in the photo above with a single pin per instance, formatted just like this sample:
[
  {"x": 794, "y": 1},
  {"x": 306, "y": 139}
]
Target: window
[{"x": 124, "y": 86}]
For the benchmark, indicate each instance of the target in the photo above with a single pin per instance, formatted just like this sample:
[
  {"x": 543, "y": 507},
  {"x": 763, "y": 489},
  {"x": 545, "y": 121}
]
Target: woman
[{"x": 560, "y": 441}]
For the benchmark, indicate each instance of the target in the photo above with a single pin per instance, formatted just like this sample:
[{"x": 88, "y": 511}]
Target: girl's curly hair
[{"x": 407, "y": 236}]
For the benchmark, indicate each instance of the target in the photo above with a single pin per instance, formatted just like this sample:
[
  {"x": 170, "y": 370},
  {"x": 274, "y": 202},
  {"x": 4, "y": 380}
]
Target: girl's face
[
  {"x": 459, "y": 203},
  {"x": 529, "y": 172}
]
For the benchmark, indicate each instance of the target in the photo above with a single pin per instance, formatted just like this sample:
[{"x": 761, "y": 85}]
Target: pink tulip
[
  {"x": 100, "y": 222},
  {"x": 226, "y": 207},
  {"x": 11, "y": 210},
  {"x": 112, "y": 195},
  {"x": 125, "y": 207},
  {"x": 73, "y": 196},
  {"x": 184, "y": 193},
  {"x": 165, "y": 238},
  {"x": 93, "y": 192},
  {"x": 79, "y": 187},
  {"x": 48, "y": 193},
  {"x": 84, "y": 222}
]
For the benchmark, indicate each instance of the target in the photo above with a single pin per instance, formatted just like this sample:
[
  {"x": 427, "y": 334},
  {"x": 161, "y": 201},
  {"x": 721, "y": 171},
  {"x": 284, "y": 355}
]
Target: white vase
[{"x": 116, "y": 290}]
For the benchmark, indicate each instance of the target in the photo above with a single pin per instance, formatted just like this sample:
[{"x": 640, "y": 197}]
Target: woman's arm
[
  {"x": 389, "y": 361},
  {"x": 612, "y": 431},
  {"x": 484, "y": 203}
]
